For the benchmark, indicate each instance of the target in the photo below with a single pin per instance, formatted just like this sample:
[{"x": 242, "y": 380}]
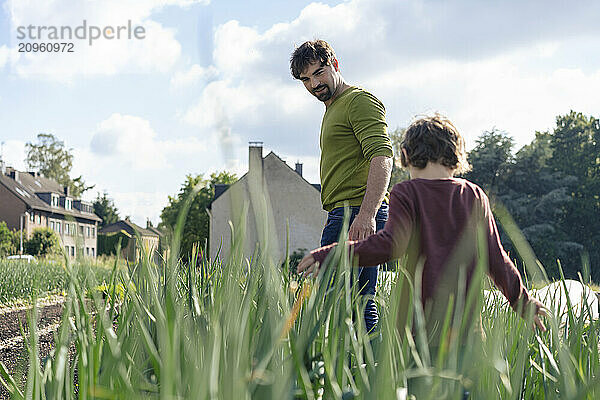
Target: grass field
[
  {"x": 19, "y": 279},
  {"x": 250, "y": 329}
]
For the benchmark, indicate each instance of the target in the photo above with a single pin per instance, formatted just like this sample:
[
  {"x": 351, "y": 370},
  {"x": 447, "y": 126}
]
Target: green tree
[
  {"x": 576, "y": 151},
  {"x": 104, "y": 207},
  {"x": 491, "y": 159},
  {"x": 8, "y": 240},
  {"x": 50, "y": 157},
  {"x": 43, "y": 241},
  {"x": 399, "y": 173},
  {"x": 538, "y": 198},
  {"x": 534, "y": 195},
  {"x": 196, "y": 227}
]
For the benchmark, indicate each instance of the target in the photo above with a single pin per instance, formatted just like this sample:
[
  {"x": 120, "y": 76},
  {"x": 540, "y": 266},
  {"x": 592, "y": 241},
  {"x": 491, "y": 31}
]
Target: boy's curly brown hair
[
  {"x": 436, "y": 139},
  {"x": 309, "y": 52}
]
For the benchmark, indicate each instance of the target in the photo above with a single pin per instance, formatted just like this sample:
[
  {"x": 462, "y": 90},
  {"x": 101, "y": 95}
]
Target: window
[
  {"x": 92, "y": 252},
  {"x": 93, "y": 231},
  {"x": 52, "y": 225},
  {"x": 88, "y": 231},
  {"x": 54, "y": 200},
  {"x": 81, "y": 230},
  {"x": 32, "y": 217},
  {"x": 68, "y": 203},
  {"x": 72, "y": 251},
  {"x": 87, "y": 251},
  {"x": 39, "y": 219},
  {"x": 58, "y": 226}
]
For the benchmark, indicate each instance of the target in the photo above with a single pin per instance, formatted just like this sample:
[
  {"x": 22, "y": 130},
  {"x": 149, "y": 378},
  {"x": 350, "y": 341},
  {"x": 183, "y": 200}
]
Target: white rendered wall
[{"x": 287, "y": 198}]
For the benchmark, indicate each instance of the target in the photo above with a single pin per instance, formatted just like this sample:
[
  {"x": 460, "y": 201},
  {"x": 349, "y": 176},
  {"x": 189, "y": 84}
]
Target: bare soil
[{"x": 13, "y": 352}]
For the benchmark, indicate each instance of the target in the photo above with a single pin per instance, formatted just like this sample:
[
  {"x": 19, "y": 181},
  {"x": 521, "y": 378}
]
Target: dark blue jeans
[{"x": 367, "y": 277}]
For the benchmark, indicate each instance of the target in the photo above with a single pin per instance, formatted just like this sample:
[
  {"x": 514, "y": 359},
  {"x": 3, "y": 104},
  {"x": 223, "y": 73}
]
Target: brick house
[{"x": 29, "y": 201}]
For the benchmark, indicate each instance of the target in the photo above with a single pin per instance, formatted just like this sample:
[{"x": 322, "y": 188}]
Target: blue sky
[{"x": 211, "y": 75}]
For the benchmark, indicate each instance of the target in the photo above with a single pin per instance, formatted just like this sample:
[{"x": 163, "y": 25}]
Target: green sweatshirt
[{"x": 353, "y": 131}]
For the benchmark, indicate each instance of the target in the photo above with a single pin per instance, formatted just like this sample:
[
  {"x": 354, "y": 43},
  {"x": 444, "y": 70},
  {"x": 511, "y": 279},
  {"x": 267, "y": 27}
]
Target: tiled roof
[
  {"x": 27, "y": 187},
  {"x": 128, "y": 227}
]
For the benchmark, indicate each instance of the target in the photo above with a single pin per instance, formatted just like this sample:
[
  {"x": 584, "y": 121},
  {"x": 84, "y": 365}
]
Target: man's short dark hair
[
  {"x": 308, "y": 53},
  {"x": 437, "y": 140}
]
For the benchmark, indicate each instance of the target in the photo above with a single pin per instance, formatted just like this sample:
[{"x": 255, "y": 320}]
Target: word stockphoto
[{"x": 60, "y": 35}]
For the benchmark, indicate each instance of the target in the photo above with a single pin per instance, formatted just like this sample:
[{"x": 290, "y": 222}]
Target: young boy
[{"x": 433, "y": 220}]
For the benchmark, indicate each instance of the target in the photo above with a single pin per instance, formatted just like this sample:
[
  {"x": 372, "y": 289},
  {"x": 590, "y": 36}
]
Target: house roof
[
  {"x": 221, "y": 188},
  {"x": 315, "y": 185},
  {"x": 127, "y": 226},
  {"x": 29, "y": 185},
  {"x": 155, "y": 230}
]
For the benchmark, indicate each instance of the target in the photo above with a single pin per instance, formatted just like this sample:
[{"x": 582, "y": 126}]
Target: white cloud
[
  {"x": 130, "y": 139},
  {"x": 13, "y": 154},
  {"x": 497, "y": 92},
  {"x": 140, "y": 206},
  {"x": 194, "y": 75},
  {"x": 8, "y": 56},
  {"x": 139, "y": 167},
  {"x": 131, "y": 142},
  {"x": 158, "y": 51},
  {"x": 241, "y": 44},
  {"x": 4, "y": 53}
]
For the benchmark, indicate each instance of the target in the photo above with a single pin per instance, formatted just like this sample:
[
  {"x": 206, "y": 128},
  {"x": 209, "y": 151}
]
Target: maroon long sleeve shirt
[{"x": 439, "y": 216}]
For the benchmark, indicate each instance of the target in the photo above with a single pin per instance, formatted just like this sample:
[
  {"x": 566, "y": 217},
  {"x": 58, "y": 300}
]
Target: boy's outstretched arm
[
  {"x": 506, "y": 276},
  {"x": 388, "y": 244}
]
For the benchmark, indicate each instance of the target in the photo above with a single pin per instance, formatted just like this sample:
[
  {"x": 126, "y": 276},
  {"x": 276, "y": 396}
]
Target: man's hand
[
  {"x": 308, "y": 265},
  {"x": 362, "y": 227}
]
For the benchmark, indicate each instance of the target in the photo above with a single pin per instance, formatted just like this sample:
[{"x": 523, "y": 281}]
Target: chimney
[
  {"x": 15, "y": 175},
  {"x": 299, "y": 168},
  {"x": 255, "y": 159},
  {"x": 66, "y": 190},
  {"x": 2, "y": 167}
]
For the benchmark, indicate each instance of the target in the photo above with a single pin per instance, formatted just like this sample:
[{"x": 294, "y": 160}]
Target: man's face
[{"x": 320, "y": 80}]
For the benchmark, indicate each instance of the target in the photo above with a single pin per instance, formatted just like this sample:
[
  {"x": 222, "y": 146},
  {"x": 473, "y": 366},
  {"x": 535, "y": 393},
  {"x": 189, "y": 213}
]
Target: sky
[{"x": 208, "y": 76}]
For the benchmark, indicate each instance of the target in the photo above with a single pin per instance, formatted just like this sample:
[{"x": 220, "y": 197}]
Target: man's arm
[{"x": 380, "y": 171}]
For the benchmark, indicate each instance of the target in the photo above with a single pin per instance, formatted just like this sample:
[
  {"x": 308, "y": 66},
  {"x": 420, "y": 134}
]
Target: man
[{"x": 356, "y": 154}]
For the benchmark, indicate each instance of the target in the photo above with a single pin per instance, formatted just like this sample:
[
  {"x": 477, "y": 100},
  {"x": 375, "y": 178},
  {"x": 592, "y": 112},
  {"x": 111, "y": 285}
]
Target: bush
[
  {"x": 43, "y": 241},
  {"x": 8, "y": 240},
  {"x": 107, "y": 244}
]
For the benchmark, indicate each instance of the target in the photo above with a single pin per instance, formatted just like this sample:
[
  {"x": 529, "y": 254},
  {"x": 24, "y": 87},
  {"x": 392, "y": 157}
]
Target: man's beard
[{"x": 323, "y": 95}]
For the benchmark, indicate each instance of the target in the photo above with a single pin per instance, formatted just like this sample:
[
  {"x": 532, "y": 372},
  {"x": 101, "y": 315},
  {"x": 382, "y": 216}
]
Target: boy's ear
[{"x": 404, "y": 160}]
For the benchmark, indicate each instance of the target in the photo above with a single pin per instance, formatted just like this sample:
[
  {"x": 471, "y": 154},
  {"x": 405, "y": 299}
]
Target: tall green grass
[{"x": 250, "y": 329}]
